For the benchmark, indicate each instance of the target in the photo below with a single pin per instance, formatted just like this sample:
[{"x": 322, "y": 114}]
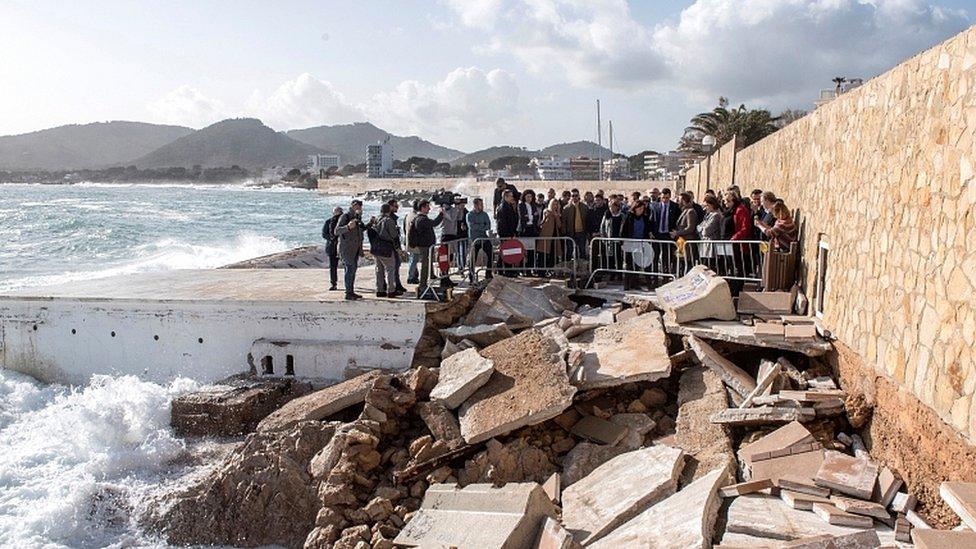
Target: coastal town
[{"x": 760, "y": 335}]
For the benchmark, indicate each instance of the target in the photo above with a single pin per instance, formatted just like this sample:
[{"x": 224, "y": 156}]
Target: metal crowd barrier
[
  {"x": 656, "y": 262},
  {"x": 544, "y": 257},
  {"x": 449, "y": 259}
]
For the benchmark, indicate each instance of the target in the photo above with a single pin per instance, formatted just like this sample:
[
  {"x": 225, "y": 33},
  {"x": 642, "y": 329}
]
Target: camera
[{"x": 444, "y": 198}]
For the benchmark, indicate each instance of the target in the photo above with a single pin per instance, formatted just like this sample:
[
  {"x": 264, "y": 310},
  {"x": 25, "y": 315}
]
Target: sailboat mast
[
  {"x": 599, "y": 140},
  {"x": 610, "y": 171}
]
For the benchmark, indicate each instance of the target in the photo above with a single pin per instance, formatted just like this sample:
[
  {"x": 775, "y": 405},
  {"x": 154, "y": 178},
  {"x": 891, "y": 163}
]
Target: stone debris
[
  {"x": 799, "y": 331},
  {"x": 802, "y": 484},
  {"x": 697, "y": 295},
  {"x": 765, "y": 303},
  {"x": 736, "y": 378},
  {"x": 461, "y": 375},
  {"x": 766, "y": 379},
  {"x": 599, "y": 430},
  {"x": 735, "y": 331},
  {"x": 517, "y": 304},
  {"x": 320, "y": 404},
  {"x": 482, "y": 335},
  {"x": 478, "y": 515},
  {"x": 700, "y": 394},
  {"x": 227, "y": 412},
  {"x": 801, "y": 501},
  {"x": 847, "y": 475},
  {"x": 835, "y": 516},
  {"x": 588, "y": 318},
  {"x": 942, "y": 539},
  {"x": 861, "y": 507},
  {"x": 780, "y": 442},
  {"x": 618, "y": 490},
  {"x": 553, "y": 488},
  {"x": 865, "y": 539},
  {"x": 685, "y": 519},
  {"x": 529, "y": 386},
  {"x": 960, "y": 497},
  {"x": 771, "y": 518},
  {"x": 802, "y": 467},
  {"x": 763, "y": 415},
  {"x": 903, "y": 529},
  {"x": 743, "y": 488},
  {"x": 553, "y": 535},
  {"x": 624, "y": 352}
]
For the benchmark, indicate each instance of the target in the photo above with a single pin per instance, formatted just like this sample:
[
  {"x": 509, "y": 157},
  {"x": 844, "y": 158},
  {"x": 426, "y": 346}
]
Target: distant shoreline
[{"x": 357, "y": 186}]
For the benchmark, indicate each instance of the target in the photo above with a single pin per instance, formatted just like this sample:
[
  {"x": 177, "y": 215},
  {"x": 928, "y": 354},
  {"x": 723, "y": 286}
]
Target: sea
[{"x": 81, "y": 466}]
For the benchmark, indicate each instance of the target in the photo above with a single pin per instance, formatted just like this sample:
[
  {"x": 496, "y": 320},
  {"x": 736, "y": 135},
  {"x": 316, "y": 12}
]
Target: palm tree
[{"x": 723, "y": 124}]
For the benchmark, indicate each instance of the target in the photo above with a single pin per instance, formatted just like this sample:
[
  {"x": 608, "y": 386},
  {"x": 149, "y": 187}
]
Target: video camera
[{"x": 445, "y": 198}]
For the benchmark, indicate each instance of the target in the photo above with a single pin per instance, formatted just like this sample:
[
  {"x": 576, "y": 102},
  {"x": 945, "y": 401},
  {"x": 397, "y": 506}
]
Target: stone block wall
[{"x": 885, "y": 175}]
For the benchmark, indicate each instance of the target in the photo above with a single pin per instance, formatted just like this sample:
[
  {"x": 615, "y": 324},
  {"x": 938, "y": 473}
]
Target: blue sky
[{"x": 463, "y": 73}]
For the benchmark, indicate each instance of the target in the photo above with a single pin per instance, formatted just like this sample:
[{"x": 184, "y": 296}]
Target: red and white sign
[
  {"x": 513, "y": 252},
  {"x": 443, "y": 259}
]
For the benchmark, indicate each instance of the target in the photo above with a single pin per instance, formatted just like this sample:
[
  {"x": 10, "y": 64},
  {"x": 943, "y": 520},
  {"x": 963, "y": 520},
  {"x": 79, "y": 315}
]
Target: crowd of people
[{"x": 614, "y": 229}]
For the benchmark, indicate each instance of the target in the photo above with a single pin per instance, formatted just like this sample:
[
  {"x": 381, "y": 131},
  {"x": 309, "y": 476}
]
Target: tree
[
  {"x": 723, "y": 124},
  {"x": 462, "y": 170},
  {"x": 518, "y": 164},
  {"x": 789, "y": 116}
]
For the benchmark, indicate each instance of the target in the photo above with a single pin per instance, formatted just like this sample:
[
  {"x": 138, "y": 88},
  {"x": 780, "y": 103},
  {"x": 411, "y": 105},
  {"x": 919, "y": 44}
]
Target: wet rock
[
  {"x": 233, "y": 411},
  {"x": 320, "y": 404}
]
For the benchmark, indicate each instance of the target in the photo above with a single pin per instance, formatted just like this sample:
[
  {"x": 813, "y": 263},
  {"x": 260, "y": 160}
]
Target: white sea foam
[{"x": 77, "y": 465}]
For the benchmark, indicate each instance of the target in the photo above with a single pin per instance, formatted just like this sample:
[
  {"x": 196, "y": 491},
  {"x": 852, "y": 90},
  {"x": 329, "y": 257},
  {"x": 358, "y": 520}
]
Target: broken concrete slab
[
  {"x": 863, "y": 539},
  {"x": 529, "y": 386},
  {"x": 770, "y": 517},
  {"x": 743, "y": 488},
  {"x": 618, "y": 490},
  {"x": 799, "y": 332},
  {"x": 768, "y": 329},
  {"x": 701, "y": 394},
  {"x": 482, "y": 335},
  {"x": 732, "y": 540},
  {"x": 961, "y": 498},
  {"x": 860, "y": 507},
  {"x": 626, "y": 314},
  {"x": 585, "y": 457},
  {"x": 553, "y": 535},
  {"x": 624, "y": 352},
  {"x": 765, "y": 303},
  {"x": 733, "y": 376},
  {"x": 478, "y": 515},
  {"x": 517, "y": 304},
  {"x": 847, "y": 475},
  {"x": 763, "y": 415},
  {"x": 737, "y": 332},
  {"x": 599, "y": 430},
  {"x": 801, "y": 501},
  {"x": 800, "y": 467},
  {"x": 685, "y": 519},
  {"x": 587, "y": 319},
  {"x": 461, "y": 375},
  {"x": 440, "y": 421},
  {"x": 776, "y": 443},
  {"x": 553, "y": 488},
  {"x": 903, "y": 503},
  {"x": 637, "y": 424},
  {"x": 833, "y": 515},
  {"x": 803, "y": 483},
  {"x": 231, "y": 411},
  {"x": 942, "y": 539},
  {"x": 320, "y": 404},
  {"x": 697, "y": 295}
]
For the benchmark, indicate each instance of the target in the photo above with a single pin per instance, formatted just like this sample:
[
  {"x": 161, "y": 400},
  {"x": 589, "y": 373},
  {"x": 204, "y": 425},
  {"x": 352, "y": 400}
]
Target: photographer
[
  {"x": 332, "y": 246},
  {"x": 349, "y": 230},
  {"x": 422, "y": 237}
]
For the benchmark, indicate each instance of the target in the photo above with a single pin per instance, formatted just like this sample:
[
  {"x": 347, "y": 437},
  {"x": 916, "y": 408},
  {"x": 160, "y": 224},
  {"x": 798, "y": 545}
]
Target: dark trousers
[
  {"x": 397, "y": 261},
  {"x": 333, "y": 269},
  {"x": 664, "y": 257},
  {"x": 350, "y": 276}
]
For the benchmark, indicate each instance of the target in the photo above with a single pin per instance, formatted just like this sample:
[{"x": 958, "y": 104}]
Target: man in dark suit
[
  {"x": 665, "y": 219},
  {"x": 500, "y": 187}
]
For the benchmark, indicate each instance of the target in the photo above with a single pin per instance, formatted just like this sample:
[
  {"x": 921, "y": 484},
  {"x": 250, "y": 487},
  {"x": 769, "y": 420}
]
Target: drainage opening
[
  {"x": 267, "y": 365},
  {"x": 289, "y": 365}
]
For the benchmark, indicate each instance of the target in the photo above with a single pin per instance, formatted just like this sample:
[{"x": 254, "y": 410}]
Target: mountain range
[{"x": 244, "y": 142}]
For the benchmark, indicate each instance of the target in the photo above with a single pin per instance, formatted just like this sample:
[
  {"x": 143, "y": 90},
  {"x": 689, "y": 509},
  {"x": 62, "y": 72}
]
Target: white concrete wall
[{"x": 65, "y": 340}]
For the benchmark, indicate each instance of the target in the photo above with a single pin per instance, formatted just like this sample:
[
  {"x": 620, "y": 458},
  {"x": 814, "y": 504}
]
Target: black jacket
[
  {"x": 328, "y": 233},
  {"x": 508, "y": 220},
  {"x": 497, "y": 200},
  {"x": 423, "y": 236},
  {"x": 627, "y": 231},
  {"x": 594, "y": 218},
  {"x": 523, "y": 227},
  {"x": 674, "y": 212}
]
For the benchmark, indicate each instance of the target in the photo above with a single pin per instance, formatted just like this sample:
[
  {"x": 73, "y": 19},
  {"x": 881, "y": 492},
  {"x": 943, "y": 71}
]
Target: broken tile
[
  {"x": 618, "y": 490},
  {"x": 461, "y": 375},
  {"x": 481, "y": 335},
  {"x": 626, "y": 314},
  {"x": 903, "y": 529},
  {"x": 763, "y": 415},
  {"x": 599, "y": 430},
  {"x": 803, "y": 485},
  {"x": 860, "y": 507},
  {"x": 529, "y": 386},
  {"x": 478, "y": 515},
  {"x": 770, "y": 517},
  {"x": 800, "y": 331},
  {"x": 768, "y": 329},
  {"x": 847, "y": 475},
  {"x": 961, "y": 498},
  {"x": 766, "y": 379},
  {"x": 552, "y": 535},
  {"x": 553, "y": 488},
  {"x": 733, "y": 376},
  {"x": 797, "y": 319},
  {"x": 743, "y": 488},
  {"x": 942, "y": 539},
  {"x": 320, "y": 404},
  {"x": 777, "y": 303},
  {"x": 785, "y": 437},
  {"x": 697, "y": 295},
  {"x": 801, "y": 468},
  {"x": 903, "y": 503},
  {"x": 801, "y": 501},
  {"x": 624, "y": 352},
  {"x": 685, "y": 519},
  {"x": 861, "y": 539}
]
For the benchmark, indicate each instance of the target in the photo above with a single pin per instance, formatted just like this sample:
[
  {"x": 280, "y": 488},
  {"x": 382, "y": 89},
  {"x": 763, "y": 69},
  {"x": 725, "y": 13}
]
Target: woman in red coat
[{"x": 742, "y": 230}]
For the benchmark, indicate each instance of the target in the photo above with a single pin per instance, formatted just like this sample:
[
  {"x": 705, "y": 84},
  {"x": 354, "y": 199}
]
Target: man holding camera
[
  {"x": 422, "y": 237},
  {"x": 349, "y": 230}
]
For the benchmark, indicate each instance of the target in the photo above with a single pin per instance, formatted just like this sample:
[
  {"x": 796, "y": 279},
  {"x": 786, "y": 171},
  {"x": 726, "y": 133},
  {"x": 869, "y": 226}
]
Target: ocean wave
[{"x": 77, "y": 463}]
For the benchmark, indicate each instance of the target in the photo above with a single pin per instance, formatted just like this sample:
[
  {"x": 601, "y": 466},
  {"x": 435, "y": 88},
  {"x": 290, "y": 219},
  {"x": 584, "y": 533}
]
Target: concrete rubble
[
  {"x": 529, "y": 421},
  {"x": 234, "y": 410}
]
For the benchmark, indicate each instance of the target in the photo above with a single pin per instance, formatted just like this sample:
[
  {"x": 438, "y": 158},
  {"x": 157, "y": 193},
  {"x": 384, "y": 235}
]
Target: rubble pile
[{"x": 530, "y": 421}]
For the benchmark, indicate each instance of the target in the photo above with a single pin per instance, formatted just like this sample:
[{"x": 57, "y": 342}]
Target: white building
[
  {"x": 616, "y": 168},
  {"x": 553, "y": 168},
  {"x": 660, "y": 166},
  {"x": 321, "y": 163},
  {"x": 379, "y": 159}
]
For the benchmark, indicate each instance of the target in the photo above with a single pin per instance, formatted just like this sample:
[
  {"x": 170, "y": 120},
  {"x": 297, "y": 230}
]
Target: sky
[{"x": 467, "y": 74}]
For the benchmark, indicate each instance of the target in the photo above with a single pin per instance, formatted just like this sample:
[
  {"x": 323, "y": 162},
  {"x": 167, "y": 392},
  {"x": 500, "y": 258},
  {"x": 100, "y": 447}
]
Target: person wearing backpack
[
  {"x": 349, "y": 230},
  {"x": 383, "y": 236},
  {"x": 331, "y": 247}
]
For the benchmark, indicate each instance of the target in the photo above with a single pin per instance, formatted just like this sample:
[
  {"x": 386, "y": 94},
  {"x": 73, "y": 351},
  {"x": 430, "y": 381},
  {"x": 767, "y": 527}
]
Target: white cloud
[
  {"x": 751, "y": 50},
  {"x": 466, "y": 99},
  {"x": 186, "y": 106},
  {"x": 303, "y": 102}
]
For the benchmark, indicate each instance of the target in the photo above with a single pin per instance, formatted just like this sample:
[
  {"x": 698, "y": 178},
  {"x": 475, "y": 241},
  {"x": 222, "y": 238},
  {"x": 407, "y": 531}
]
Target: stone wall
[
  {"x": 718, "y": 175},
  {"x": 885, "y": 176}
]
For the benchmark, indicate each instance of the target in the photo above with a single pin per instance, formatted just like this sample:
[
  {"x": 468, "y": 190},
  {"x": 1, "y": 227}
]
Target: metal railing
[
  {"x": 541, "y": 256},
  {"x": 656, "y": 262},
  {"x": 449, "y": 259}
]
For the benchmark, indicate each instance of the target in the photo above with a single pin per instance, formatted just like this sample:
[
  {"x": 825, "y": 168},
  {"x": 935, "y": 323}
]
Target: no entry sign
[
  {"x": 513, "y": 252},
  {"x": 443, "y": 259}
]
